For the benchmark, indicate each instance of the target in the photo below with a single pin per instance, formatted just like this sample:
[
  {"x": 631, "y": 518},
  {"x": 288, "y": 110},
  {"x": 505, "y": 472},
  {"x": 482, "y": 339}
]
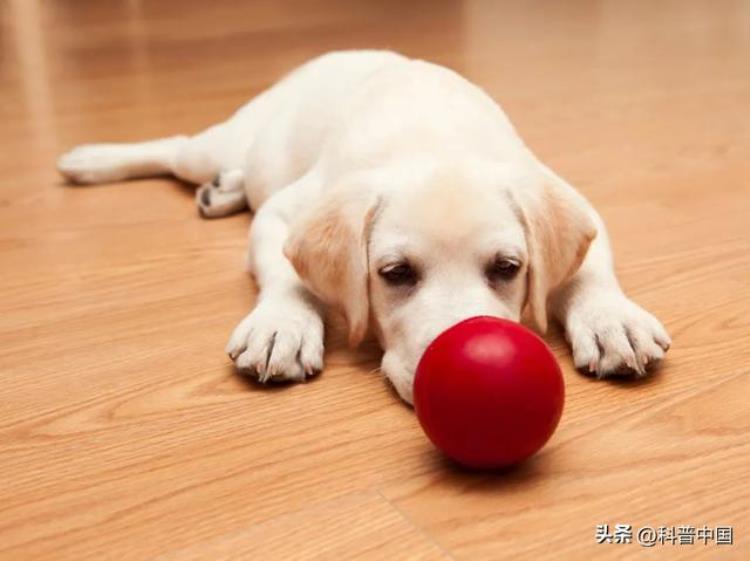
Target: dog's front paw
[
  {"x": 279, "y": 341},
  {"x": 611, "y": 335}
]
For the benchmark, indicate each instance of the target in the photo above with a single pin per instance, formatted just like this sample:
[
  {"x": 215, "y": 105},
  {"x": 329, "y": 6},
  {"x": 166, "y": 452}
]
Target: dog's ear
[
  {"x": 559, "y": 231},
  {"x": 328, "y": 249}
]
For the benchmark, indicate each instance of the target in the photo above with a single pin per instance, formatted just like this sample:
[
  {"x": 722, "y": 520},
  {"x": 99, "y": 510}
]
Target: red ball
[{"x": 488, "y": 392}]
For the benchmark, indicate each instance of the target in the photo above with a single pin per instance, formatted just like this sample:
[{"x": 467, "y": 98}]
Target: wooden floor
[{"x": 124, "y": 432}]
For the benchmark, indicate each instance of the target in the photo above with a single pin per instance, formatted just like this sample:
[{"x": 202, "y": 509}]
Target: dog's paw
[
  {"x": 279, "y": 341},
  {"x": 223, "y": 196},
  {"x": 611, "y": 335},
  {"x": 93, "y": 163}
]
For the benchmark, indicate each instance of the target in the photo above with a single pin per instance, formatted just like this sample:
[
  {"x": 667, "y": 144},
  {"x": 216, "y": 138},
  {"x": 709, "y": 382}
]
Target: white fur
[{"x": 359, "y": 160}]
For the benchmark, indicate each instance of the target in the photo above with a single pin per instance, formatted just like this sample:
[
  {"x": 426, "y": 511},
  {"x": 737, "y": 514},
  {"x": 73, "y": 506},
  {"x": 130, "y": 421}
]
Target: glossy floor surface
[{"x": 125, "y": 433}]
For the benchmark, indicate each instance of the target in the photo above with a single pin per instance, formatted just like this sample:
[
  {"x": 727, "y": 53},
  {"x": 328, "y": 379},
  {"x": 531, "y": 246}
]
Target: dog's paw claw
[
  {"x": 612, "y": 336},
  {"x": 278, "y": 341}
]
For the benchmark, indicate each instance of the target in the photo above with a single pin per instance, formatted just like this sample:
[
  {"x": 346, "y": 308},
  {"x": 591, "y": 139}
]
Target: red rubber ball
[{"x": 488, "y": 392}]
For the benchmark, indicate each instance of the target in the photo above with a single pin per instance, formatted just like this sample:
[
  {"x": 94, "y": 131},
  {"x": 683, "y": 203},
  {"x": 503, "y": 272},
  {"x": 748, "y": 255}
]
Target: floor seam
[{"x": 413, "y": 523}]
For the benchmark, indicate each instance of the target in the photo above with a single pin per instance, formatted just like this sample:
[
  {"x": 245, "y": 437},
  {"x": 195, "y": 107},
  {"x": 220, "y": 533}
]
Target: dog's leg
[
  {"x": 100, "y": 163},
  {"x": 282, "y": 338},
  {"x": 609, "y": 333},
  {"x": 223, "y": 196},
  {"x": 196, "y": 159}
]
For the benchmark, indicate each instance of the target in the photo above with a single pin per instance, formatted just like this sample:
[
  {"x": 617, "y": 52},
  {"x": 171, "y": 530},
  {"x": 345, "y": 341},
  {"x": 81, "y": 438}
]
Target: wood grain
[
  {"x": 124, "y": 432},
  {"x": 360, "y": 525}
]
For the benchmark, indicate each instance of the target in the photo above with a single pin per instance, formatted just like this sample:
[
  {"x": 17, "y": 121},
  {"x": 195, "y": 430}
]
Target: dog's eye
[
  {"x": 399, "y": 274},
  {"x": 502, "y": 269}
]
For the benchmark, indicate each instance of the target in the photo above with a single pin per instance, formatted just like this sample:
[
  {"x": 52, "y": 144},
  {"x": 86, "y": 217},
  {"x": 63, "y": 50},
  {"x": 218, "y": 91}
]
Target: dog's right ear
[{"x": 328, "y": 249}]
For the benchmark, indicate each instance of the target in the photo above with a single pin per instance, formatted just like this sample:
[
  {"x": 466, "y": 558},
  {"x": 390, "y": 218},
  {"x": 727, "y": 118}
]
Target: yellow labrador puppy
[{"x": 399, "y": 193}]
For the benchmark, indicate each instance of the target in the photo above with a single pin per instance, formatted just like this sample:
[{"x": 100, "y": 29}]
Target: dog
[{"x": 398, "y": 193}]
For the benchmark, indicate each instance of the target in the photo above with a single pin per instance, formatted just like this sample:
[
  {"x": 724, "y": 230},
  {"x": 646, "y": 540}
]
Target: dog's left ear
[
  {"x": 559, "y": 230},
  {"x": 328, "y": 249}
]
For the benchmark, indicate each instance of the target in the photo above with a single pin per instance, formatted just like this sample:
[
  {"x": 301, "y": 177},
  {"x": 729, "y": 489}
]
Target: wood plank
[{"x": 358, "y": 526}]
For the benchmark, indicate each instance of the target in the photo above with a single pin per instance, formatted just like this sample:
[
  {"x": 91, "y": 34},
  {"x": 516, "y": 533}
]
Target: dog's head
[{"x": 411, "y": 250}]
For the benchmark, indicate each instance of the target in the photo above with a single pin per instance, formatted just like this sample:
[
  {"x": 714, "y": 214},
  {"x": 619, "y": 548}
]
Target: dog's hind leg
[
  {"x": 102, "y": 163},
  {"x": 197, "y": 159},
  {"x": 223, "y": 196}
]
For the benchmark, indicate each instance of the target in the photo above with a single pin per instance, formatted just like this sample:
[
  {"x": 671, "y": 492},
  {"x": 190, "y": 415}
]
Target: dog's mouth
[{"x": 400, "y": 376}]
